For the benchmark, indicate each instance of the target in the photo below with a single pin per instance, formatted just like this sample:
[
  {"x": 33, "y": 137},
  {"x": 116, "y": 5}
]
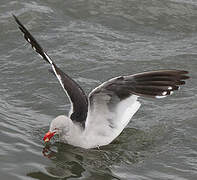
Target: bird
[{"x": 97, "y": 119}]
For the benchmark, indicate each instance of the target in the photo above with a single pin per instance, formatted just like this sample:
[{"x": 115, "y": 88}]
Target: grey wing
[
  {"x": 120, "y": 93},
  {"x": 77, "y": 97}
]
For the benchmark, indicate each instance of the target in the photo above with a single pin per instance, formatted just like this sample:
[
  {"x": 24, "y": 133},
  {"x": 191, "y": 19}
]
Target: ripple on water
[{"x": 94, "y": 41}]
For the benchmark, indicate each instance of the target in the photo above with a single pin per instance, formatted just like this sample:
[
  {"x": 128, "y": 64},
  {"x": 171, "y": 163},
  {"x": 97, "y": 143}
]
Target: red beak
[{"x": 48, "y": 136}]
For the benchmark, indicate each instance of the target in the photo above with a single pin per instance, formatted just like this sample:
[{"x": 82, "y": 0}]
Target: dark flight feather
[
  {"x": 77, "y": 96},
  {"x": 155, "y": 84}
]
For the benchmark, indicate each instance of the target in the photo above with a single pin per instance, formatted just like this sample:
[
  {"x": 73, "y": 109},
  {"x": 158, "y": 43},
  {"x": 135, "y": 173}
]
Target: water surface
[{"x": 94, "y": 41}]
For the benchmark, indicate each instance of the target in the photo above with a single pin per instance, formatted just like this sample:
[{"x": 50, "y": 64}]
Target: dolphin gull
[{"x": 97, "y": 119}]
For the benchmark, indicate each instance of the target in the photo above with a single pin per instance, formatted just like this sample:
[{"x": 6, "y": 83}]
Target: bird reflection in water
[
  {"x": 47, "y": 152},
  {"x": 66, "y": 162}
]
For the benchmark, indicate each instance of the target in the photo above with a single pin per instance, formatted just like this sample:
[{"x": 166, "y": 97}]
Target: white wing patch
[
  {"x": 61, "y": 82},
  {"x": 104, "y": 123},
  {"x": 126, "y": 109},
  {"x": 164, "y": 93},
  {"x": 48, "y": 58},
  {"x": 160, "y": 97}
]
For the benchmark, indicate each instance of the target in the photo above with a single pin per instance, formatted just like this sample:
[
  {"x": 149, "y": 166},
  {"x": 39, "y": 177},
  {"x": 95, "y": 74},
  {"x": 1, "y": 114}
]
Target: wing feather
[
  {"x": 77, "y": 97},
  {"x": 113, "y": 103},
  {"x": 150, "y": 84}
]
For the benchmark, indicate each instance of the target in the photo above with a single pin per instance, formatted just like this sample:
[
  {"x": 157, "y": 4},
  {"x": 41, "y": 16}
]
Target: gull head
[{"x": 59, "y": 126}]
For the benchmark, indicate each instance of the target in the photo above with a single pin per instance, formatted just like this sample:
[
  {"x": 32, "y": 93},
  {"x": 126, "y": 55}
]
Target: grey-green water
[{"x": 93, "y": 41}]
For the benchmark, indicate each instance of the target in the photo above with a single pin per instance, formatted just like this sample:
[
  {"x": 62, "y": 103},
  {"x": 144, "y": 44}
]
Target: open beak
[{"x": 48, "y": 136}]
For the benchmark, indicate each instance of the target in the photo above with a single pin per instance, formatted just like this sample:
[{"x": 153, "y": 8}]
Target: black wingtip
[
  {"x": 159, "y": 83},
  {"x": 17, "y": 21},
  {"x": 30, "y": 39},
  {"x": 14, "y": 16}
]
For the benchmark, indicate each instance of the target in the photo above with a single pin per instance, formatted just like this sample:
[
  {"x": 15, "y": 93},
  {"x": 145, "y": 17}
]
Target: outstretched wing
[
  {"x": 155, "y": 84},
  {"x": 115, "y": 101},
  {"x": 77, "y": 97}
]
